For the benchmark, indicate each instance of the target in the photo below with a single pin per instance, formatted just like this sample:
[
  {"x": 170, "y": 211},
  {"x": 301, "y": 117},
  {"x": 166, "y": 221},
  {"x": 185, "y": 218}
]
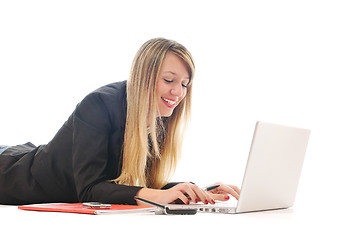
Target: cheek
[
  {"x": 161, "y": 89},
  {"x": 184, "y": 93}
]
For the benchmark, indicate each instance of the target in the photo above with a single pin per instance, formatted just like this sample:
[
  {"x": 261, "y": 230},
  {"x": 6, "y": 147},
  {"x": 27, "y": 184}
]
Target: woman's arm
[{"x": 96, "y": 123}]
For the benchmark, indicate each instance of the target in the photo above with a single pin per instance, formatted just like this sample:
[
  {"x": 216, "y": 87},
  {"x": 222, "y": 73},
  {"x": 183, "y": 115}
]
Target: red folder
[{"x": 79, "y": 208}]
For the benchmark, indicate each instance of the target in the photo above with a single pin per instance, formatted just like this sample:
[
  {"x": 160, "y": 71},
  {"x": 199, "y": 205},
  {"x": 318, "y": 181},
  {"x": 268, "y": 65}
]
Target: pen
[{"x": 211, "y": 188}]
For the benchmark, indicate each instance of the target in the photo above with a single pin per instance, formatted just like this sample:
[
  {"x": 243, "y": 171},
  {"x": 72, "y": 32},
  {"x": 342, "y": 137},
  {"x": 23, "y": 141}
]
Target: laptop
[{"x": 272, "y": 172}]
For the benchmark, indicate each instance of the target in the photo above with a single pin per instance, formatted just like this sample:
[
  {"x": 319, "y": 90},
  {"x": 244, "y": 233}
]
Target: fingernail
[
  {"x": 226, "y": 197},
  {"x": 187, "y": 202},
  {"x": 196, "y": 201},
  {"x": 205, "y": 202},
  {"x": 213, "y": 202}
]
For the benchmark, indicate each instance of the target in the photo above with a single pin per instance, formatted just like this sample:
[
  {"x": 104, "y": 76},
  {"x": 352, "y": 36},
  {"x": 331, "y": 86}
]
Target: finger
[
  {"x": 188, "y": 192},
  {"x": 182, "y": 197},
  {"x": 206, "y": 197},
  {"x": 229, "y": 189},
  {"x": 210, "y": 198},
  {"x": 220, "y": 197},
  {"x": 235, "y": 188},
  {"x": 201, "y": 195},
  {"x": 195, "y": 193}
]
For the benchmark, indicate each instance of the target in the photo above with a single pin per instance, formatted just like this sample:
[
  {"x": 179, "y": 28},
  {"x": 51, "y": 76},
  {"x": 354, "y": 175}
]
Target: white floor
[{"x": 317, "y": 222}]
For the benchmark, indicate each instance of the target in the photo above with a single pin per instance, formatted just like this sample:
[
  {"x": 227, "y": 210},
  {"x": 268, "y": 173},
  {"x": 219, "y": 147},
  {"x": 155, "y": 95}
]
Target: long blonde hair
[{"x": 151, "y": 152}]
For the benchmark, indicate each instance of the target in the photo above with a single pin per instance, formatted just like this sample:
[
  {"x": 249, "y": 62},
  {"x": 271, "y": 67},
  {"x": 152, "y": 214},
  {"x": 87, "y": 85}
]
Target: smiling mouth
[{"x": 170, "y": 102}]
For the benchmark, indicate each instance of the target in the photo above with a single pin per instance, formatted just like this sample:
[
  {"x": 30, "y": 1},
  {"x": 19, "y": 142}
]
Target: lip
[{"x": 169, "y": 105}]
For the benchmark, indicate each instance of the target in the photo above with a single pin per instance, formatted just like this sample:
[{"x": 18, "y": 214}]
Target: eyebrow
[
  {"x": 170, "y": 72},
  {"x": 173, "y": 73}
]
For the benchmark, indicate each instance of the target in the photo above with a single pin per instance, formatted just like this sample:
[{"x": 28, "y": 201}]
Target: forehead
[{"x": 174, "y": 65}]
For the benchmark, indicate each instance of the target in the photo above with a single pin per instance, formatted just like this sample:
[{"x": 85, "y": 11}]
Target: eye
[
  {"x": 185, "y": 84},
  {"x": 167, "y": 80}
]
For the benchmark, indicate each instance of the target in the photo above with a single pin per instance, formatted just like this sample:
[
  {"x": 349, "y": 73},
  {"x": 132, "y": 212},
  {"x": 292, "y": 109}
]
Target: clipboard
[{"x": 80, "y": 208}]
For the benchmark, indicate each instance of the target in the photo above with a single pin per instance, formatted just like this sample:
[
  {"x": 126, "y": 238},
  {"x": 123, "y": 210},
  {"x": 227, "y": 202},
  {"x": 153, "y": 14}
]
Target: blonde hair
[{"x": 150, "y": 153}]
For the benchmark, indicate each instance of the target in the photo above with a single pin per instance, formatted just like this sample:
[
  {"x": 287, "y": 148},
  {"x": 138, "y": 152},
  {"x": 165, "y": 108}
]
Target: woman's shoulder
[
  {"x": 115, "y": 89},
  {"x": 104, "y": 106},
  {"x": 108, "y": 95}
]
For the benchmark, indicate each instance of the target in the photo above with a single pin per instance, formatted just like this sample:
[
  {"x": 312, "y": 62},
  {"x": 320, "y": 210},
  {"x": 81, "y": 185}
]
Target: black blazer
[{"x": 77, "y": 164}]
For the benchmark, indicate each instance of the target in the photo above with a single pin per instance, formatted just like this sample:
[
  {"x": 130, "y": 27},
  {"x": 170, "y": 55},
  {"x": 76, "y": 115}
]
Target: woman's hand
[
  {"x": 222, "y": 192},
  {"x": 186, "y": 192}
]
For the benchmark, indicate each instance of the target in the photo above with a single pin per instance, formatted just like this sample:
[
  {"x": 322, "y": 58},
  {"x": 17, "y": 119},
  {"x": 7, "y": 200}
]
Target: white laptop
[{"x": 272, "y": 173}]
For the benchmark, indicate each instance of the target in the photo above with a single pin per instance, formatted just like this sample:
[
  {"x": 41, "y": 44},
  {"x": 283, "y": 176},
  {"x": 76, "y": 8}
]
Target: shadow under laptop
[{"x": 271, "y": 214}]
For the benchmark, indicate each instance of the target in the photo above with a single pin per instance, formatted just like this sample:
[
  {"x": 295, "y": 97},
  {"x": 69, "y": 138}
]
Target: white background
[{"x": 288, "y": 62}]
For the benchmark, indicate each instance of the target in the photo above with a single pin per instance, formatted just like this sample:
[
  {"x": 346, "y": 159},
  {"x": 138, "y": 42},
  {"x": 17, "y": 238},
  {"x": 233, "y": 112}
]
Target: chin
[{"x": 166, "y": 114}]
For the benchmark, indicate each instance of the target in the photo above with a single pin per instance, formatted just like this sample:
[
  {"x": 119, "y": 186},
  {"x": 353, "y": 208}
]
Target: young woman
[{"x": 122, "y": 140}]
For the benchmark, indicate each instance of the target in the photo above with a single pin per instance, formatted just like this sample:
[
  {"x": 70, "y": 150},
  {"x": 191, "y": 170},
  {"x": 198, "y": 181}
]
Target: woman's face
[{"x": 171, "y": 84}]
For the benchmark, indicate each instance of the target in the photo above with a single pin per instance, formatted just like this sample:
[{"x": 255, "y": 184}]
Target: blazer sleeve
[
  {"x": 91, "y": 129},
  {"x": 170, "y": 185}
]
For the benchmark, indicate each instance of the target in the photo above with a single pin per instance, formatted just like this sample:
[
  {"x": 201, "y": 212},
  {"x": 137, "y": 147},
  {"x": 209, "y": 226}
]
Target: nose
[{"x": 177, "y": 90}]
